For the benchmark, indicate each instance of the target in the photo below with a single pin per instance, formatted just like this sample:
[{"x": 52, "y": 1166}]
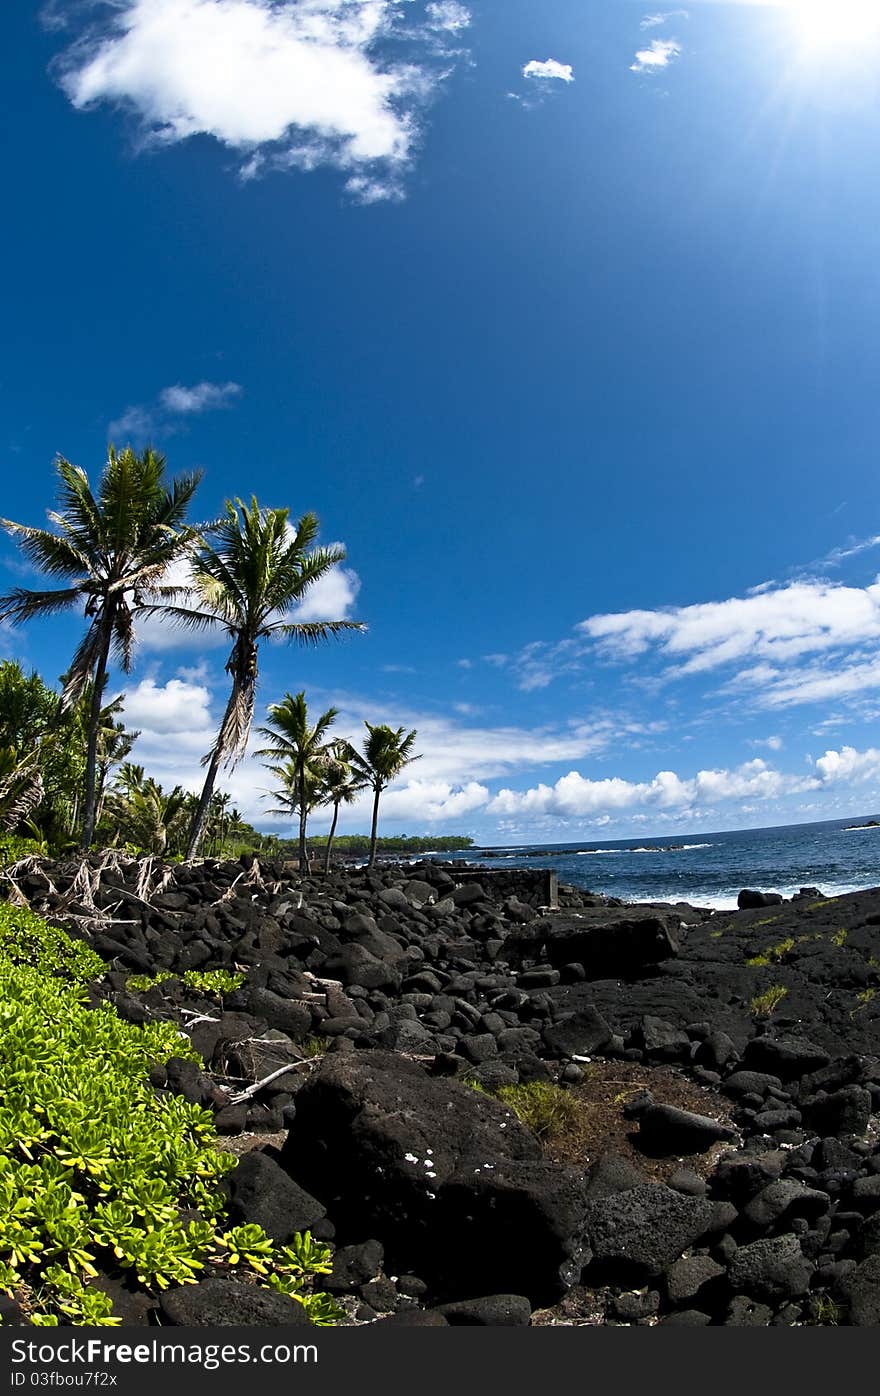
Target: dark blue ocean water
[{"x": 710, "y": 869}]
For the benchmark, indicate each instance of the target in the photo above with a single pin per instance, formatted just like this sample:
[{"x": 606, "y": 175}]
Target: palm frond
[
  {"x": 49, "y": 552},
  {"x": 22, "y": 605},
  {"x": 85, "y": 661},
  {"x": 310, "y": 632}
]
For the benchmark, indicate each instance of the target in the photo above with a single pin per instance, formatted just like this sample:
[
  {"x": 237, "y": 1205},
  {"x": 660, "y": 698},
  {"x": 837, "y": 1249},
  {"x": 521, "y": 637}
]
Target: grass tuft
[
  {"x": 763, "y": 1004},
  {"x": 544, "y": 1108}
]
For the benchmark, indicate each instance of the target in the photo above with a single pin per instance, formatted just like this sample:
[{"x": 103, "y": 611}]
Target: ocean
[{"x": 710, "y": 869}]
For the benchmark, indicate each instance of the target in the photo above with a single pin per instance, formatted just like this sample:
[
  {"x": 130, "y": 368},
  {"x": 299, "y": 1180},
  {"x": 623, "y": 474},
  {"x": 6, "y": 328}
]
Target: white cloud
[
  {"x": 141, "y": 423},
  {"x": 772, "y": 743},
  {"x": 659, "y": 54},
  {"x": 448, "y": 15},
  {"x": 847, "y": 550},
  {"x": 285, "y": 83},
  {"x": 549, "y": 68},
  {"x": 201, "y": 397},
  {"x": 178, "y": 722},
  {"x": 848, "y": 765},
  {"x": 813, "y": 683},
  {"x": 457, "y": 753},
  {"x": 174, "y": 707},
  {"x": 777, "y": 625},
  {"x": 577, "y": 795},
  {"x": 656, "y": 20},
  {"x": 135, "y": 424},
  {"x": 433, "y": 800}
]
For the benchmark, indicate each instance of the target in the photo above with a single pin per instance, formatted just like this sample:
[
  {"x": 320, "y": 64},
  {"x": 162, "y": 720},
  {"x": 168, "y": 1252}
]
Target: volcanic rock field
[{"x": 722, "y": 1166}]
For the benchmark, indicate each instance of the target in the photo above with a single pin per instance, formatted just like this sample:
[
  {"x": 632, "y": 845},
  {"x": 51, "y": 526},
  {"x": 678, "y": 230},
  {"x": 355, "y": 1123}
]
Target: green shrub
[
  {"x": 27, "y": 941},
  {"x": 13, "y": 848},
  {"x": 213, "y": 981},
  {"x": 140, "y": 983},
  {"x": 97, "y": 1171},
  {"x": 205, "y": 981}
]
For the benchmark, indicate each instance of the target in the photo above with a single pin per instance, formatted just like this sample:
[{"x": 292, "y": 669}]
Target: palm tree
[
  {"x": 111, "y": 549},
  {"x": 218, "y": 819},
  {"x": 342, "y": 785},
  {"x": 247, "y": 583},
  {"x": 304, "y": 752},
  {"x": 297, "y": 796},
  {"x": 148, "y": 815},
  {"x": 114, "y": 744},
  {"x": 384, "y": 756}
]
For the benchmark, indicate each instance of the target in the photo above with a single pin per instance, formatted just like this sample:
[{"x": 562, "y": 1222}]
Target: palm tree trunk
[
  {"x": 203, "y": 809},
  {"x": 100, "y": 678},
  {"x": 303, "y": 815},
  {"x": 372, "y": 857},
  {"x": 330, "y": 837}
]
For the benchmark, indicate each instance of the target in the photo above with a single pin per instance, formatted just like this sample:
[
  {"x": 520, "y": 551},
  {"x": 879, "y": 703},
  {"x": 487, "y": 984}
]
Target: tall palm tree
[
  {"x": 343, "y": 783},
  {"x": 247, "y": 582},
  {"x": 110, "y": 548},
  {"x": 305, "y": 752},
  {"x": 384, "y": 756}
]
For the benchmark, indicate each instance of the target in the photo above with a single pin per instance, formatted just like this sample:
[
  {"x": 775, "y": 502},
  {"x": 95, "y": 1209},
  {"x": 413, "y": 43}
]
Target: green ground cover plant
[
  {"x": 98, "y": 1172},
  {"x": 204, "y": 981}
]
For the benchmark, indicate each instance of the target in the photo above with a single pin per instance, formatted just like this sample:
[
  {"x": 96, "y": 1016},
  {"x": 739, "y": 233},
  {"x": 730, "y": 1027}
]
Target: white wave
[
  {"x": 655, "y": 848},
  {"x": 726, "y": 900}
]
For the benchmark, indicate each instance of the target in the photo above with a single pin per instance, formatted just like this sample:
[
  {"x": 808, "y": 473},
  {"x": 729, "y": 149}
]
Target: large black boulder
[
  {"x": 772, "y": 1270},
  {"x": 749, "y": 900},
  {"x": 260, "y": 1192},
  {"x": 786, "y": 1057},
  {"x": 862, "y": 1289},
  {"x": 220, "y": 1303},
  {"x": 636, "y": 1234},
  {"x": 608, "y": 942},
  {"x": 446, "y": 1177},
  {"x": 665, "y": 1129},
  {"x": 523, "y": 1224},
  {"x": 578, "y": 1034}
]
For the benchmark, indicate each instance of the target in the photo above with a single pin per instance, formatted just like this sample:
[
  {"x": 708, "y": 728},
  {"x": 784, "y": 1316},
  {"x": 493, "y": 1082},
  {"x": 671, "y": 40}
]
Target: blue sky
[{"x": 562, "y": 317}]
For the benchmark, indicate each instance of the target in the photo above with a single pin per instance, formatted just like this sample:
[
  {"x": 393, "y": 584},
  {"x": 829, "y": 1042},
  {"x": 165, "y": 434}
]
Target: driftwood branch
[{"x": 267, "y": 1080}]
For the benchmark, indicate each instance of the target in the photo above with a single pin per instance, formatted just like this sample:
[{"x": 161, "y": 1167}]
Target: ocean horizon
[{"x": 707, "y": 869}]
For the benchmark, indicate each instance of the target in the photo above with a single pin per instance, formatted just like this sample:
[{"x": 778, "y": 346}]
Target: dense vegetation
[
  {"x": 96, "y": 1168},
  {"x": 400, "y": 843}
]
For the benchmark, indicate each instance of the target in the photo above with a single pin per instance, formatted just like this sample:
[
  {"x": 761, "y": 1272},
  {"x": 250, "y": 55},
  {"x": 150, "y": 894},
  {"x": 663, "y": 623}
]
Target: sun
[{"x": 825, "y": 24}]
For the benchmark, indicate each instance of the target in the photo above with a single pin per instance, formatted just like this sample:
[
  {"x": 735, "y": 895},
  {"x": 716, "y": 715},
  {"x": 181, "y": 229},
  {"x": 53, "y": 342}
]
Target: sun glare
[{"x": 825, "y": 24}]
